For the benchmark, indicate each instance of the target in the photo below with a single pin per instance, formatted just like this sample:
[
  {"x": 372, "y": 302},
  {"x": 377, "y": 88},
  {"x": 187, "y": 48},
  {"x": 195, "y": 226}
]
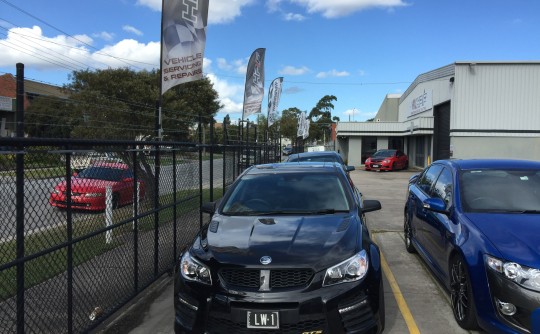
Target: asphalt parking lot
[{"x": 415, "y": 301}]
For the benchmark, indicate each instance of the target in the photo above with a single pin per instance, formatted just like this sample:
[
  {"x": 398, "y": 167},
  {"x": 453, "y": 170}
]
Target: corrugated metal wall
[{"x": 496, "y": 97}]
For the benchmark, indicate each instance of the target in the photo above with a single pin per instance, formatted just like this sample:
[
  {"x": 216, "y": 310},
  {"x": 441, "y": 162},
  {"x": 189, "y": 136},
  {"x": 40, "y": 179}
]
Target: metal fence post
[
  {"x": 20, "y": 200},
  {"x": 108, "y": 213}
]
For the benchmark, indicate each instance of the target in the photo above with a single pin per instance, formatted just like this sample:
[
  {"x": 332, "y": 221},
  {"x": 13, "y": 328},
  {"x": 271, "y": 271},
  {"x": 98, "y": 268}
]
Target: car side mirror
[
  {"x": 349, "y": 168},
  {"x": 209, "y": 207},
  {"x": 436, "y": 205},
  {"x": 370, "y": 205}
]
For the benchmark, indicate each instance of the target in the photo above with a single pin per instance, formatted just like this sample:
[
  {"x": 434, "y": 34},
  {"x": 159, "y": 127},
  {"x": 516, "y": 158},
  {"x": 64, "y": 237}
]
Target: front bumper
[
  {"x": 525, "y": 301},
  {"x": 343, "y": 308},
  {"x": 377, "y": 166}
]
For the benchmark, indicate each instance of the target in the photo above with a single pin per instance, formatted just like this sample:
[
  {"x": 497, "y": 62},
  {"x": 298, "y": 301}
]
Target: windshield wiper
[
  {"x": 528, "y": 211},
  {"x": 329, "y": 211}
]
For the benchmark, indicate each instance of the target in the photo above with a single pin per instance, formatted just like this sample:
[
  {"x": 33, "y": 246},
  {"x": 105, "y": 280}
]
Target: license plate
[
  {"x": 375, "y": 166},
  {"x": 263, "y": 319}
]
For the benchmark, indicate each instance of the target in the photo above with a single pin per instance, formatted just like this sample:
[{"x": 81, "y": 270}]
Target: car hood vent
[
  {"x": 213, "y": 227},
  {"x": 267, "y": 221}
]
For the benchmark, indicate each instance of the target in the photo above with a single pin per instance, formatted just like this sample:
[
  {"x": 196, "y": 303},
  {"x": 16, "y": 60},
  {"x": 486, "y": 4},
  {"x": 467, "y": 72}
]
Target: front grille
[
  {"x": 219, "y": 325},
  {"x": 279, "y": 278}
]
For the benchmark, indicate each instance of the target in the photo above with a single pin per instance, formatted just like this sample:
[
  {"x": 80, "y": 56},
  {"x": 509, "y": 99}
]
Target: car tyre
[
  {"x": 406, "y": 166},
  {"x": 461, "y": 294},
  {"x": 407, "y": 234}
]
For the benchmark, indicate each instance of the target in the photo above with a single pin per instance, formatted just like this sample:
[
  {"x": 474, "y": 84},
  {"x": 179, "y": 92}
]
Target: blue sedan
[{"x": 476, "y": 223}]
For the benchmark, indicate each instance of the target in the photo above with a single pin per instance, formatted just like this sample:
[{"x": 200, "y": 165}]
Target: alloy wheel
[{"x": 461, "y": 294}]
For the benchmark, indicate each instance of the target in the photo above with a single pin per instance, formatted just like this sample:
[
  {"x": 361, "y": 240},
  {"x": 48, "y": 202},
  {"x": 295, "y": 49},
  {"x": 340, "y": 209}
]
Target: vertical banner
[
  {"x": 301, "y": 124},
  {"x": 307, "y": 122},
  {"x": 183, "y": 39},
  {"x": 254, "y": 90},
  {"x": 274, "y": 94}
]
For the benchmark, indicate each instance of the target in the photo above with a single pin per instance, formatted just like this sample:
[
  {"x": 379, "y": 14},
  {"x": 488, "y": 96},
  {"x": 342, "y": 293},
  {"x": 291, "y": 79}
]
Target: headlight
[
  {"x": 526, "y": 277},
  {"x": 194, "y": 271},
  {"x": 386, "y": 161},
  {"x": 93, "y": 195},
  {"x": 349, "y": 270}
]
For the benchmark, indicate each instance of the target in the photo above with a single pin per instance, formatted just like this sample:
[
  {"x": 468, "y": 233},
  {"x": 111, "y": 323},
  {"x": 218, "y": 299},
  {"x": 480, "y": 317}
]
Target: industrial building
[{"x": 467, "y": 109}]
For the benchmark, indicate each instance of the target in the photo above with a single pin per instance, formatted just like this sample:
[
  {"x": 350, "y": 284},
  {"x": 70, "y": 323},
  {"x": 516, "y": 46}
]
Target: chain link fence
[{"x": 77, "y": 242}]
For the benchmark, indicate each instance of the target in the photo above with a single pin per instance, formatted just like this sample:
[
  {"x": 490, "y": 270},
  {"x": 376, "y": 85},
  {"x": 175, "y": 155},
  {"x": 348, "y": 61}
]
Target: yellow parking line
[{"x": 404, "y": 309}]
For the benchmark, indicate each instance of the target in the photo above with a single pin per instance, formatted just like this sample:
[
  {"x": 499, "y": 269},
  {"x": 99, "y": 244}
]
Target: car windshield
[
  {"x": 287, "y": 193},
  {"x": 384, "y": 153},
  {"x": 101, "y": 173},
  {"x": 501, "y": 191}
]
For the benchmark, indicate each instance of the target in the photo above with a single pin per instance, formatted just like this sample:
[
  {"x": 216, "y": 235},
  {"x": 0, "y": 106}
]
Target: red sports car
[
  {"x": 387, "y": 160},
  {"x": 88, "y": 188}
]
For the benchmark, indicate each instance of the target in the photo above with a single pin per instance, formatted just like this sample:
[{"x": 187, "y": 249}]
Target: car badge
[{"x": 266, "y": 260}]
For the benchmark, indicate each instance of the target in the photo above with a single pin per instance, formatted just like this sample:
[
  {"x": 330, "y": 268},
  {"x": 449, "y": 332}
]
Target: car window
[
  {"x": 443, "y": 188},
  {"x": 287, "y": 193},
  {"x": 500, "y": 190},
  {"x": 384, "y": 153},
  {"x": 101, "y": 173},
  {"x": 426, "y": 180}
]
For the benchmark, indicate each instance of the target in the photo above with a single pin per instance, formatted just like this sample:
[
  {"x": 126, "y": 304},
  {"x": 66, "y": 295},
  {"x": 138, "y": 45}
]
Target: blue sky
[{"x": 356, "y": 50}]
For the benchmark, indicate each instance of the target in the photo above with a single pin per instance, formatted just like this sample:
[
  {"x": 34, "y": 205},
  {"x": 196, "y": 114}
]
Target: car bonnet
[
  {"x": 516, "y": 236},
  {"x": 316, "y": 241}
]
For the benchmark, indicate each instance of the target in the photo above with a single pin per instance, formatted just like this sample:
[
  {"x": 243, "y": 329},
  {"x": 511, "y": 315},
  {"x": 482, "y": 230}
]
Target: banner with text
[
  {"x": 254, "y": 90},
  {"x": 183, "y": 40},
  {"x": 274, "y": 94}
]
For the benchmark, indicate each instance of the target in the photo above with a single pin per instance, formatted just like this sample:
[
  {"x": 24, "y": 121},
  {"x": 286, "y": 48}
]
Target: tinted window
[
  {"x": 500, "y": 190},
  {"x": 291, "y": 192},
  {"x": 384, "y": 153},
  {"x": 101, "y": 173},
  {"x": 425, "y": 182},
  {"x": 444, "y": 187}
]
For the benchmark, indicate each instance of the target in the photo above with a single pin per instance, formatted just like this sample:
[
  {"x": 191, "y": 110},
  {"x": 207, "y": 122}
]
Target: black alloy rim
[{"x": 459, "y": 290}]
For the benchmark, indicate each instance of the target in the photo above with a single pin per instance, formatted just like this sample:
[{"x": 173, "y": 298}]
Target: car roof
[
  {"x": 317, "y": 154},
  {"x": 468, "y": 164},
  {"x": 320, "y": 167}
]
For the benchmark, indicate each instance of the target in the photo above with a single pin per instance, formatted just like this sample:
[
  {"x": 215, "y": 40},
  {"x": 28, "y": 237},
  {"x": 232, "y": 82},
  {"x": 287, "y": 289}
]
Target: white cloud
[
  {"x": 132, "y": 30},
  {"x": 107, "y": 36},
  {"x": 294, "y": 17},
  {"x": 338, "y": 8},
  {"x": 31, "y": 47},
  {"x": 220, "y": 11},
  {"x": 228, "y": 94},
  {"x": 139, "y": 54},
  {"x": 357, "y": 115},
  {"x": 273, "y": 5},
  {"x": 291, "y": 70},
  {"x": 333, "y": 73},
  {"x": 238, "y": 66}
]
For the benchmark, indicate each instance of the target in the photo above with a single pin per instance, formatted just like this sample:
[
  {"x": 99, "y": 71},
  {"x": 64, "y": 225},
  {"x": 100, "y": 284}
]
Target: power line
[{"x": 63, "y": 32}]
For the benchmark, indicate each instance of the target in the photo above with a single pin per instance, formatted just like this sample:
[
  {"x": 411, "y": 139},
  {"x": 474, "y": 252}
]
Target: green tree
[
  {"x": 289, "y": 123},
  {"x": 49, "y": 117},
  {"x": 121, "y": 104},
  {"x": 321, "y": 119}
]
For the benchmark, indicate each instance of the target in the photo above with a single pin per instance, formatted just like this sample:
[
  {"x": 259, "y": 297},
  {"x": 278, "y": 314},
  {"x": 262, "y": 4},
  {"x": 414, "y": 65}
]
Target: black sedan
[{"x": 286, "y": 251}]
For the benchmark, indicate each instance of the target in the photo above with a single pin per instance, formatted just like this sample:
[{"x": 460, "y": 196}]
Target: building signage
[
  {"x": 6, "y": 103},
  {"x": 421, "y": 103}
]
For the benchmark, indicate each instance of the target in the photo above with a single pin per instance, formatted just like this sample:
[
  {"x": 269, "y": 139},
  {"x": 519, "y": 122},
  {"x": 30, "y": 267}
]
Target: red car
[
  {"x": 88, "y": 187},
  {"x": 387, "y": 160}
]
